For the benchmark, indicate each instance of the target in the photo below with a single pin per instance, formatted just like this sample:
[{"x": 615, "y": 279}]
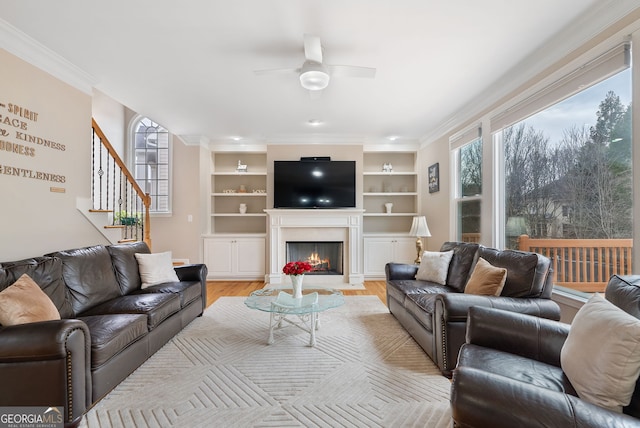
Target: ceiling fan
[{"x": 314, "y": 74}]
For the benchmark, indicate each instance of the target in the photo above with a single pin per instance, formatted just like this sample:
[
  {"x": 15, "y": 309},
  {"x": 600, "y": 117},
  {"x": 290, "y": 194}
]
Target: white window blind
[
  {"x": 594, "y": 71},
  {"x": 465, "y": 137}
]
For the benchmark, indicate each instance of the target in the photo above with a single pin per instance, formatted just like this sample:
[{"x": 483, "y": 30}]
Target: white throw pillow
[
  {"x": 156, "y": 268},
  {"x": 601, "y": 356},
  {"x": 434, "y": 266}
]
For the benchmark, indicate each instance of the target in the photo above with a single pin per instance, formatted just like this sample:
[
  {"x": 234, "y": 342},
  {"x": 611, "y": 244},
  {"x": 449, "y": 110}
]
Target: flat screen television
[{"x": 314, "y": 184}]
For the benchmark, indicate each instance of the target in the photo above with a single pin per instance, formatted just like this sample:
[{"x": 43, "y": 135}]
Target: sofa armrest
[
  {"x": 479, "y": 399},
  {"x": 455, "y": 306},
  {"x": 395, "y": 271},
  {"x": 47, "y": 364},
  {"x": 529, "y": 336},
  {"x": 195, "y": 272}
]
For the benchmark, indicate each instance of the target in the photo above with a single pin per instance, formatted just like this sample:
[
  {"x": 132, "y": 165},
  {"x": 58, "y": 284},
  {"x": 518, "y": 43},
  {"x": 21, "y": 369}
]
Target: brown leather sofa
[
  {"x": 109, "y": 325},
  {"x": 436, "y": 315},
  {"x": 509, "y": 372}
]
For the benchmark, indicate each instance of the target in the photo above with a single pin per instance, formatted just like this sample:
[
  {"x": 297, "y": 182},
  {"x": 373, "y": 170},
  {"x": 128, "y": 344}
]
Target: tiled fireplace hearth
[{"x": 316, "y": 226}]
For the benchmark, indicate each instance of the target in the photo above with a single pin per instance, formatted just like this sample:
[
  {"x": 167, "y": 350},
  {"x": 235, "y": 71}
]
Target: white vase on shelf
[
  {"x": 243, "y": 208},
  {"x": 388, "y": 206}
]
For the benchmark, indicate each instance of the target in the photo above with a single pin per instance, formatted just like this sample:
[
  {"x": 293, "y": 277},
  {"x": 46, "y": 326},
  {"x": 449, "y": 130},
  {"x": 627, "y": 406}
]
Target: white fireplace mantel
[{"x": 316, "y": 224}]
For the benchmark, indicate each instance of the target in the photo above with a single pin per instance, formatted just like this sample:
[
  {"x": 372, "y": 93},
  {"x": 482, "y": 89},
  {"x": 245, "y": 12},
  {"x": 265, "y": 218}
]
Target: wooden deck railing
[
  {"x": 583, "y": 264},
  {"x": 473, "y": 238},
  {"x": 115, "y": 190}
]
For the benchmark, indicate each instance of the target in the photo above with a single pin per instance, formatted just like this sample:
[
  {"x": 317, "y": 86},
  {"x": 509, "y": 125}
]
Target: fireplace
[
  {"x": 318, "y": 226},
  {"x": 325, "y": 257}
]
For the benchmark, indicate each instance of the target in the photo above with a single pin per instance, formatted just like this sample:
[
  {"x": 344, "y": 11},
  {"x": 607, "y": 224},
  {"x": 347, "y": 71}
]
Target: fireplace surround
[{"x": 303, "y": 225}]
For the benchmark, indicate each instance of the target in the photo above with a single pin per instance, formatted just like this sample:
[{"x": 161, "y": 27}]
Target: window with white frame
[
  {"x": 468, "y": 193},
  {"x": 568, "y": 176},
  {"x": 151, "y": 162}
]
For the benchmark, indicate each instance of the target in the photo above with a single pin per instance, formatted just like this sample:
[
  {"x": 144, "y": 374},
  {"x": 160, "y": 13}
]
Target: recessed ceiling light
[
  {"x": 236, "y": 138},
  {"x": 315, "y": 122},
  {"x": 393, "y": 137}
]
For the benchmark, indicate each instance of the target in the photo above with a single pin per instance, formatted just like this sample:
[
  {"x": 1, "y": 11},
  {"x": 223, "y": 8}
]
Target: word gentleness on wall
[{"x": 13, "y": 126}]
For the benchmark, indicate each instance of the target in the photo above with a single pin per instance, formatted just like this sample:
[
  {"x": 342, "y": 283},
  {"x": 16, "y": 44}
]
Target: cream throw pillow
[
  {"x": 156, "y": 268},
  {"x": 601, "y": 356},
  {"x": 434, "y": 266},
  {"x": 486, "y": 279},
  {"x": 24, "y": 302}
]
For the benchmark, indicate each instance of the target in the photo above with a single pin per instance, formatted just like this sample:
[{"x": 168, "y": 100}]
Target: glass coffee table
[{"x": 286, "y": 310}]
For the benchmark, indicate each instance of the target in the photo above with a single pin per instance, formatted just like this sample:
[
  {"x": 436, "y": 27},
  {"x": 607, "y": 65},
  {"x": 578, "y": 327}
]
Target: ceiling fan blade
[
  {"x": 312, "y": 48},
  {"x": 277, "y": 71},
  {"x": 352, "y": 71}
]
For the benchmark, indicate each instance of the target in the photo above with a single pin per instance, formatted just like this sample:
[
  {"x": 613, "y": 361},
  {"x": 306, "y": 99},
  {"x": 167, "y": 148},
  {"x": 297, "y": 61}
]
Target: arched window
[{"x": 151, "y": 162}]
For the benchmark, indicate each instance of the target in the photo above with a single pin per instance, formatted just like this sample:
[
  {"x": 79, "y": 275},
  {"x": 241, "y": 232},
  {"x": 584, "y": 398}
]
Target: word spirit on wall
[{"x": 16, "y": 140}]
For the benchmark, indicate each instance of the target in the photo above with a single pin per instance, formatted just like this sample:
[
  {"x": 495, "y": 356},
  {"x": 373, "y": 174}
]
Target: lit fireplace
[{"x": 324, "y": 257}]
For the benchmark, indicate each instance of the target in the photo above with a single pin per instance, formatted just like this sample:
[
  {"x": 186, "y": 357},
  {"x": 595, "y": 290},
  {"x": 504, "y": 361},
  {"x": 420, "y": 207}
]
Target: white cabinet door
[
  {"x": 378, "y": 251},
  {"x": 250, "y": 257},
  {"x": 235, "y": 257}
]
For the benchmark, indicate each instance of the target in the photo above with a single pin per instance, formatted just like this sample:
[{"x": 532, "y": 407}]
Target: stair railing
[{"x": 114, "y": 190}]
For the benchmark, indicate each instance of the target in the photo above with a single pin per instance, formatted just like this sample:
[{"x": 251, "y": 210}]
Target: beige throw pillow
[
  {"x": 434, "y": 266},
  {"x": 156, "y": 268},
  {"x": 486, "y": 279},
  {"x": 24, "y": 302},
  {"x": 601, "y": 356}
]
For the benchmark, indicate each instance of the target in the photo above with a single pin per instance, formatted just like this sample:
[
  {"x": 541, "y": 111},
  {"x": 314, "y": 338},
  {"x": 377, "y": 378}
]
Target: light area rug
[{"x": 365, "y": 371}]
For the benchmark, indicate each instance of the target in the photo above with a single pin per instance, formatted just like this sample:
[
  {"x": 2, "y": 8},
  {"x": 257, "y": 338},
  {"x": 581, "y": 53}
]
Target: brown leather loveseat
[
  {"x": 436, "y": 315},
  {"x": 109, "y": 325}
]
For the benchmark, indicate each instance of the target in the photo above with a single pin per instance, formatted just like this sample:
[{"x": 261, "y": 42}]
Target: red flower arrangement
[{"x": 296, "y": 268}]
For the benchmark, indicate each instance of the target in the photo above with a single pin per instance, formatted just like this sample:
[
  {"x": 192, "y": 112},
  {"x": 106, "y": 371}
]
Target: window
[
  {"x": 469, "y": 190},
  {"x": 151, "y": 160},
  {"x": 568, "y": 184}
]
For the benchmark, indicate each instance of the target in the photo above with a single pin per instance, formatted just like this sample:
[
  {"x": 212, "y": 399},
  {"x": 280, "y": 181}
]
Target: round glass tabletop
[{"x": 264, "y": 300}]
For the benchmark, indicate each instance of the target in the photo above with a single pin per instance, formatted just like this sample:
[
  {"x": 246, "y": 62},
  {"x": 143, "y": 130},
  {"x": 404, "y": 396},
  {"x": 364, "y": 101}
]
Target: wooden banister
[
  {"x": 114, "y": 187},
  {"x": 583, "y": 264}
]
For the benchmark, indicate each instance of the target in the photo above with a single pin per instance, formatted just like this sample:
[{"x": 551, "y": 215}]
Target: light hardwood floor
[{"x": 216, "y": 289}]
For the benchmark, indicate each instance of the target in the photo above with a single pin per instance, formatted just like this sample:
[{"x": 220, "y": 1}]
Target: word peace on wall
[{"x": 16, "y": 141}]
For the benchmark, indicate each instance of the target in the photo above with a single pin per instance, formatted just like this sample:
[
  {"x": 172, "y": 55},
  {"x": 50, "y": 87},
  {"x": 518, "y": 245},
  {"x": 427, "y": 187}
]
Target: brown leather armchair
[{"x": 509, "y": 371}]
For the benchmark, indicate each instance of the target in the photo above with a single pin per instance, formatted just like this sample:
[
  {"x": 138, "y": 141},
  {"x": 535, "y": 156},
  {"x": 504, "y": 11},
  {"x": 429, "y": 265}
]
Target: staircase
[{"x": 118, "y": 207}]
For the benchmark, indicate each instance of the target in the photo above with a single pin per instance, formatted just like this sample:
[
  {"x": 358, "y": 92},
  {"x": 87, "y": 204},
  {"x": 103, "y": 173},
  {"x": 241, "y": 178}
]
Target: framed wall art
[{"x": 434, "y": 178}]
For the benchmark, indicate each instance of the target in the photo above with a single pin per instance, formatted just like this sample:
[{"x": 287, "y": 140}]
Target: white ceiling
[{"x": 189, "y": 64}]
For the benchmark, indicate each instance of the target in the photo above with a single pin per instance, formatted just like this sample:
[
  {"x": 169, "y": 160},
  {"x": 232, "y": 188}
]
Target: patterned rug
[{"x": 365, "y": 371}]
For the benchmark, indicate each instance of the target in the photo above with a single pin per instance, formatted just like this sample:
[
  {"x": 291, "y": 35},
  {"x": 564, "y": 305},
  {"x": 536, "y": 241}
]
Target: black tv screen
[{"x": 314, "y": 184}]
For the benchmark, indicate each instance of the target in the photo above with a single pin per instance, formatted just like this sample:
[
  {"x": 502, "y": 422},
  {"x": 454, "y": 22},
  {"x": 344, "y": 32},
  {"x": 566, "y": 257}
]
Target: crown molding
[
  {"x": 30, "y": 50},
  {"x": 585, "y": 28}
]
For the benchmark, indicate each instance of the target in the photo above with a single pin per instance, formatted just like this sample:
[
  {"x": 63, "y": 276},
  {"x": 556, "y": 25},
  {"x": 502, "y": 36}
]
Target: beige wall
[
  {"x": 176, "y": 233},
  {"x": 435, "y": 206},
  {"x": 34, "y": 219}
]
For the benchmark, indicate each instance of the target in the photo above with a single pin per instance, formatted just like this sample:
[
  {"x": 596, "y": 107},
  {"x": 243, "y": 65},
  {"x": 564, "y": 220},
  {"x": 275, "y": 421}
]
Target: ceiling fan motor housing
[{"x": 314, "y": 76}]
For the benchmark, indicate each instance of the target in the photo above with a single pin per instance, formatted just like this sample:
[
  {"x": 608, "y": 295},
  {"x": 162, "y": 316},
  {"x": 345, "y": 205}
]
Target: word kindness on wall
[{"x": 17, "y": 141}]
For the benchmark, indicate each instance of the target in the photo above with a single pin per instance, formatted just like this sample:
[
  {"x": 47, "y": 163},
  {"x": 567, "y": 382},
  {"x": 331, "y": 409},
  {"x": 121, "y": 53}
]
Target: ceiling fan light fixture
[{"x": 314, "y": 76}]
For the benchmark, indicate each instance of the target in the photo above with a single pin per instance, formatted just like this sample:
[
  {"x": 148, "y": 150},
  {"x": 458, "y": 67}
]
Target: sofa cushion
[
  {"x": 88, "y": 274},
  {"x": 601, "y": 356},
  {"x": 515, "y": 367},
  {"x": 527, "y": 272},
  {"x": 156, "y": 306},
  {"x": 125, "y": 264},
  {"x": 464, "y": 257},
  {"x": 188, "y": 291},
  {"x": 434, "y": 266},
  {"x": 24, "y": 302},
  {"x": 111, "y": 334},
  {"x": 486, "y": 280},
  {"x": 156, "y": 268},
  {"x": 47, "y": 273}
]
